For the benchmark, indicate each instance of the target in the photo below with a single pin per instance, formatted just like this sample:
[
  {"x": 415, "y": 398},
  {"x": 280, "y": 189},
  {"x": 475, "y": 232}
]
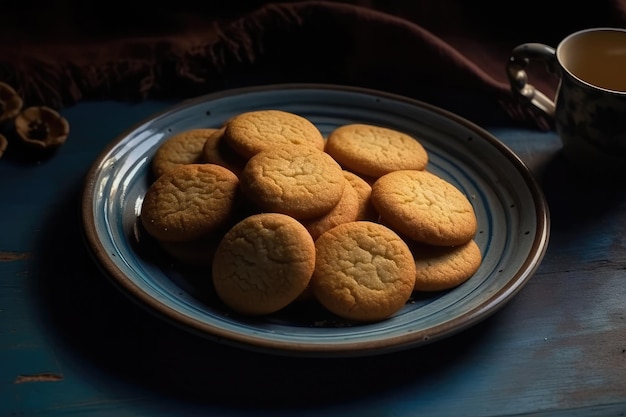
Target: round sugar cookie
[
  {"x": 374, "y": 151},
  {"x": 263, "y": 263},
  {"x": 252, "y": 132},
  {"x": 364, "y": 191},
  {"x": 346, "y": 210},
  {"x": 424, "y": 207},
  {"x": 364, "y": 271},
  {"x": 189, "y": 202},
  {"x": 297, "y": 180},
  {"x": 216, "y": 151},
  {"x": 182, "y": 148},
  {"x": 440, "y": 268}
]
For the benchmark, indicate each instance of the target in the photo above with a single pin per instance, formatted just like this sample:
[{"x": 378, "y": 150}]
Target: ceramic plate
[{"x": 512, "y": 218}]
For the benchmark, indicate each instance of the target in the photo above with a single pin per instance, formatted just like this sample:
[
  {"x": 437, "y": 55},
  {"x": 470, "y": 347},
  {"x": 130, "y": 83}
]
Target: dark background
[
  {"x": 72, "y": 20},
  {"x": 60, "y": 52}
]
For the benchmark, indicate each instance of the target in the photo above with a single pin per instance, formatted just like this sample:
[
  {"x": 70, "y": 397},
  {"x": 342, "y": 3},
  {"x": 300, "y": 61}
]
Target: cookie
[
  {"x": 374, "y": 151},
  {"x": 180, "y": 149},
  {"x": 424, "y": 207},
  {"x": 263, "y": 263},
  {"x": 216, "y": 151},
  {"x": 297, "y": 180},
  {"x": 252, "y": 132},
  {"x": 364, "y": 271},
  {"x": 189, "y": 202},
  {"x": 346, "y": 210},
  {"x": 364, "y": 191},
  {"x": 440, "y": 268}
]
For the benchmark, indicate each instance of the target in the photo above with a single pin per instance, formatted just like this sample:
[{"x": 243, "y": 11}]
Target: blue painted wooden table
[{"x": 72, "y": 344}]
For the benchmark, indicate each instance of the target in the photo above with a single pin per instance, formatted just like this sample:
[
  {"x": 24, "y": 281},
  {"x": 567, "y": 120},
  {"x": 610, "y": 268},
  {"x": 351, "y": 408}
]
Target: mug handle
[{"x": 518, "y": 78}]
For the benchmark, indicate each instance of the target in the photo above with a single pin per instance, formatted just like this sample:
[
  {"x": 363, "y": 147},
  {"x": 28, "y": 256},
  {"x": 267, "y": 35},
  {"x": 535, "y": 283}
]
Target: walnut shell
[
  {"x": 4, "y": 143},
  {"x": 42, "y": 127},
  {"x": 10, "y": 102}
]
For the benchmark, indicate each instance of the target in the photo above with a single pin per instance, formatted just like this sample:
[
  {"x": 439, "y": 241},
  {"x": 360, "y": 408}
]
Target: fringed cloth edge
[{"x": 313, "y": 41}]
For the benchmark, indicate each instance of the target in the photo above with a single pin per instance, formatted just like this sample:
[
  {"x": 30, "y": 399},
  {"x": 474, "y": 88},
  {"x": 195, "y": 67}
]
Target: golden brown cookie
[
  {"x": 424, "y": 207},
  {"x": 189, "y": 202},
  {"x": 374, "y": 151},
  {"x": 346, "y": 210},
  {"x": 297, "y": 180},
  {"x": 182, "y": 148},
  {"x": 440, "y": 268},
  {"x": 364, "y": 191},
  {"x": 364, "y": 271},
  {"x": 216, "y": 151},
  {"x": 252, "y": 132},
  {"x": 263, "y": 263}
]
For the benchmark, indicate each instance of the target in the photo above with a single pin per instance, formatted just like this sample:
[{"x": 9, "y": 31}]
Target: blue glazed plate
[{"x": 512, "y": 218}]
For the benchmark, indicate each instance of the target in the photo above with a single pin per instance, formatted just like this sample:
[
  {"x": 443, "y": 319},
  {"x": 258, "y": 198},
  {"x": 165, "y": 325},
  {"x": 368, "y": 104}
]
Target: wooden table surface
[{"x": 72, "y": 344}]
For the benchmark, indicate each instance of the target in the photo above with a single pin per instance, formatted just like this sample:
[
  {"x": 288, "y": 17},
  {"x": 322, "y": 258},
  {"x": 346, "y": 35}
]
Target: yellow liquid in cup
[{"x": 598, "y": 58}]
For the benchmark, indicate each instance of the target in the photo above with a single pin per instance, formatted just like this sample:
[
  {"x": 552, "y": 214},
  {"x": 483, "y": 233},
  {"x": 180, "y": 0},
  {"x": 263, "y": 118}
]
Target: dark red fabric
[{"x": 407, "y": 47}]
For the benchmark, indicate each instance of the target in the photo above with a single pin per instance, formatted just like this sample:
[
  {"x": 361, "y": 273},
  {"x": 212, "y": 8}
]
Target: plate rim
[{"x": 395, "y": 343}]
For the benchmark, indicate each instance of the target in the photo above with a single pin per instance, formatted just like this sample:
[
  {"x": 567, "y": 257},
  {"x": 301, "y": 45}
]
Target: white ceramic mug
[{"x": 589, "y": 111}]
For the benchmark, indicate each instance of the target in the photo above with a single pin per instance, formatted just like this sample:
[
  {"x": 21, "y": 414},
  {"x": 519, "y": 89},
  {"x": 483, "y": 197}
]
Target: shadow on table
[
  {"x": 579, "y": 199},
  {"x": 117, "y": 340}
]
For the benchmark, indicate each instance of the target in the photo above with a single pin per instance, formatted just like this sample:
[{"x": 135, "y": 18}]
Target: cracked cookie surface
[
  {"x": 189, "y": 202},
  {"x": 346, "y": 210},
  {"x": 424, "y": 207},
  {"x": 263, "y": 263},
  {"x": 364, "y": 191},
  {"x": 216, "y": 151},
  {"x": 180, "y": 149},
  {"x": 364, "y": 271},
  {"x": 440, "y": 268},
  {"x": 297, "y": 180},
  {"x": 374, "y": 151},
  {"x": 252, "y": 132}
]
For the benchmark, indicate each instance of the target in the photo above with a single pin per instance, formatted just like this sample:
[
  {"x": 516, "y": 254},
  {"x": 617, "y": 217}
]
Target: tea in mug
[{"x": 597, "y": 58}]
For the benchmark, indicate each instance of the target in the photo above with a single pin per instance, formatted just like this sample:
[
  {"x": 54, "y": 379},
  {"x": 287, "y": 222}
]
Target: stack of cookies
[{"x": 279, "y": 214}]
